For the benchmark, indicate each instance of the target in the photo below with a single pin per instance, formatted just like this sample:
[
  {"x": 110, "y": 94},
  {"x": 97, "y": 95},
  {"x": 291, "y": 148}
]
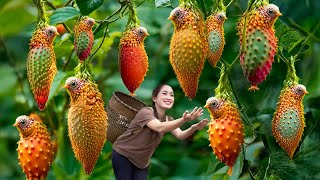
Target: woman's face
[{"x": 165, "y": 98}]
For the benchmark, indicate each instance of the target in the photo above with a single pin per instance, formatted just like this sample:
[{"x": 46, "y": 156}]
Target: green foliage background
[{"x": 189, "y": 159}]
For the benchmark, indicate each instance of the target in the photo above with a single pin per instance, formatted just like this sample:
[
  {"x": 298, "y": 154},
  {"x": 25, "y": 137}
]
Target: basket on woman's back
[{"x": 122, "y": 108}]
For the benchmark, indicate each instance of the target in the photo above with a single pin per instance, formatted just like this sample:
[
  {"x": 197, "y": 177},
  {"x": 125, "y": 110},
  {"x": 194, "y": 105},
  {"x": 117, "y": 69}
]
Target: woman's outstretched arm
[
  {"x": 179, "y": 134},
  {"x": 168, "y": 126}
]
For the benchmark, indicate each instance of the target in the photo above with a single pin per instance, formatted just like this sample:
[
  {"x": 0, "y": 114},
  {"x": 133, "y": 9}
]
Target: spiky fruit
[
  {"x": 215, "y": 36},
  {"x": 133, "y": 59},
  {"x": 188, "y": 48},
  {"x": 83, "y": 37},
  {"x": 87, "y": 121},
  {"x": 41, "y": 64},
  {"x": 34, "y": 148},
  {"x": 260, "y": 43},
  {"x": 288, "y": 120},
  {"x": 225, "y": 130}
]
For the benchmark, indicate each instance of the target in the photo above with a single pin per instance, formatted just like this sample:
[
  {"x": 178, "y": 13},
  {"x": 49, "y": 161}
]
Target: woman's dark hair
[{"x": 155, "y": 93}]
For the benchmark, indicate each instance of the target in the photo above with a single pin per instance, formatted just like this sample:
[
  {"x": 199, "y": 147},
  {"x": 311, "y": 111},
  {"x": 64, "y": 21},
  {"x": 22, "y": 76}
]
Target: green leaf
[
  {"x": 88, "y": 6},
  {"x": 162, "y": 3},
  {"x": 64, "y": 14},
  {"x": 13, "y": 18}
]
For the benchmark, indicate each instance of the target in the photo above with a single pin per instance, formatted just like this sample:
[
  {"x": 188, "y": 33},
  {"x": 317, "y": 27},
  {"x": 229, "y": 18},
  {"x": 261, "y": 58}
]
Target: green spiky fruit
[
  {"x": 41, "y": 64},
  {"x": 258, "y": 44},
  {"x": 215, "y": 35},
  {"x": 288, "y": 120},
  {"x": 83, "y": 37}
]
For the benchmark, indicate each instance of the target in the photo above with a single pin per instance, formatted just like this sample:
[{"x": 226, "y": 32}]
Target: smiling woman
[{"x": 133, "y": 149}]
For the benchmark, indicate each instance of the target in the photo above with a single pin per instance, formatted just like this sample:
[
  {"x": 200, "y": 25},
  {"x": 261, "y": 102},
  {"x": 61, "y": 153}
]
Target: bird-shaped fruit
[
  {"x": 133, "y": 59},
  {"x": 258, "y": 44},
  {"x": 288, "y": 120},
  {"x": 87, "y": 121},
  {"x": 215, "y": 36},
  {"x": 41, "y": 64},
  {"x": 188, "y": 48},
  {"x": 226, "y": 131},
  {"x": 83, "y": 37},
  {"x": 34, "y": 148}
]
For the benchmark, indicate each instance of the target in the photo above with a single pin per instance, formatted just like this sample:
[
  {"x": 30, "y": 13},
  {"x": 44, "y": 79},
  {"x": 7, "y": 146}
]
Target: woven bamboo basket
[{"x": 122, "y": 108}]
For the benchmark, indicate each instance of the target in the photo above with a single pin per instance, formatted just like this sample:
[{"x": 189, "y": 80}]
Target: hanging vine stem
[
  {"x": 54, "y": 8},
  {"x": 104, "y": 36},
  {"x": 41, "y": 11},
  {"x": 245, "y": 117}
]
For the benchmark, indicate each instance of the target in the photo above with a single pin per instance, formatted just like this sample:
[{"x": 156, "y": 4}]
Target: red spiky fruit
[
  {"x": 260, "y": 43},
  {"x": 41, "y": 64},
  {"x": 87, "y": 121},
  {"x": 34, "y": 148},
  {"x": 188, "y": 48},
  {"x": 133, "y": 59},
  {"x": 83, "y": 37},
  {"x": 288, "y": 120},
  {"x": 226, "y": 131}
]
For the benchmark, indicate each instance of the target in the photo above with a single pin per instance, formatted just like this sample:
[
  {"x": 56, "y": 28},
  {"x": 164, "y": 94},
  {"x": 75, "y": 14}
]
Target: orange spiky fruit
[
  {"x": 35, "y": 153},
  {"x": 288, "y": 120},
  {"x": 41, "y": 64},
  {"x": 188, "y": 47},
  {"x": 133, "y": 59},
  {"x": 83, "y": 37},
  {"x": 226, "y": 132},
  {"x": 258, "y": 43},
  {"x": 215, "y": 36},
  {"x": 87, "y": 121}
]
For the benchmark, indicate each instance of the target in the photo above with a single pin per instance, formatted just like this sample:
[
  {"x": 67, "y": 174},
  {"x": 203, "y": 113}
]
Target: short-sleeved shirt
[{"x": 139, "y": 147}]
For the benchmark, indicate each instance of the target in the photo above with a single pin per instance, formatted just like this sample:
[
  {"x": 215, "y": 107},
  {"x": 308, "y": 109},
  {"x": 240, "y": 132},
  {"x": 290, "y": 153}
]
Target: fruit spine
[
  {"x": 41, "y": 63},
  {"x": 258, "y": 44},
  {"x": 188, "y": 46},
  {"x": 35, "y": 151}
]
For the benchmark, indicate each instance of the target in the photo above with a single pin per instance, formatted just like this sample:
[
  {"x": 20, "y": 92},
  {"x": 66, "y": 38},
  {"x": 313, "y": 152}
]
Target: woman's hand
[
  {"x": 200, "y": 124},
  {"x": 195, "y": 113}
]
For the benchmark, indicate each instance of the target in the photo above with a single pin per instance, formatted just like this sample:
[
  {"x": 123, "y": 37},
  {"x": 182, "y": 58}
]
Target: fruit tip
[{"x": 254, "y": 88}]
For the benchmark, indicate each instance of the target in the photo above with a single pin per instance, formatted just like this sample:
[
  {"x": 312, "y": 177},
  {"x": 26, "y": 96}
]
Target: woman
[{"x": 134, "y": 148}]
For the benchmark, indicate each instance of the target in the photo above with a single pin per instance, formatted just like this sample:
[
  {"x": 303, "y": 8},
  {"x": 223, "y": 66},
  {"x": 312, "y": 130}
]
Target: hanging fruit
[
  {"x": 226, "y": 131},
  {"x": 215, "y": 33},
  {"x": 35, "y": 151},
  {"x": 133, "y": 59},
  {"x": 87, "y": 118},
  {"x": 258, "y": 43},
  {"x": 41, "y": 63},
  {"x": 83, "y": 37},
  {"x": 188, "y": 46},
  {"x": 288, "y": 120}
]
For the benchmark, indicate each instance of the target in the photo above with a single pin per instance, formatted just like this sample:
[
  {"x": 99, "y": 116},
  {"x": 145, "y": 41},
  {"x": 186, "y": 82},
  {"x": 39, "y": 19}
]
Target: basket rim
[{"x": 125, "y": 104}]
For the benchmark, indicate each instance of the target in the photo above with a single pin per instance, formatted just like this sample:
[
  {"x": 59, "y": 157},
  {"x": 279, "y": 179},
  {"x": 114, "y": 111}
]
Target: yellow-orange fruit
[
  {"x": 34, "y": 148},
  {"x": 87, "y": 121},
  {"x": 226, "y": 131},
  {"x": 188, "y": 48}
]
